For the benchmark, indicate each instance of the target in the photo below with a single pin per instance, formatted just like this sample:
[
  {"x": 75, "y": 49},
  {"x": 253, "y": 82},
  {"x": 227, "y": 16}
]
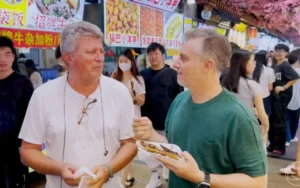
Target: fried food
[
  {"x": 121, "y": 16},
  {"x": 164, "y": 152}
]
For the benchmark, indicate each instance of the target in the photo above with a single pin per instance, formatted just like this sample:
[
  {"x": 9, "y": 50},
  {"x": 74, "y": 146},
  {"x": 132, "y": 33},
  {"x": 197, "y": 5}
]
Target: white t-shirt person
[
  {"x": 267, "y": 77},
  {"x": 50, "y": 107},
  {"x": 139, "y": 88}
]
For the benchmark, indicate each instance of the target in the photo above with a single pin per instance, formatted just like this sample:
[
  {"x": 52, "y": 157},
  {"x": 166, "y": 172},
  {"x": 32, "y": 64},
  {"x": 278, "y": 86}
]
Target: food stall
[{"x": 136, "y": 24}]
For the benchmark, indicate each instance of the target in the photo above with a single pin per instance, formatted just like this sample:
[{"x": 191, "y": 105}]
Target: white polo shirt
[{"x": 84, "y": 144}]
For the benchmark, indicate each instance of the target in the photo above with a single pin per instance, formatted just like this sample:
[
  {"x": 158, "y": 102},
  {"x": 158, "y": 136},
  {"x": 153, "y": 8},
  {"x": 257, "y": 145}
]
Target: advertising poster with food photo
[
  {"x": 13, "y": 13},
  {"x": 173, "y": 30},
  {"x": 53, "y": 15},
  {"x": 122, "y": 23},
  {"x": 152, "y": 24}
]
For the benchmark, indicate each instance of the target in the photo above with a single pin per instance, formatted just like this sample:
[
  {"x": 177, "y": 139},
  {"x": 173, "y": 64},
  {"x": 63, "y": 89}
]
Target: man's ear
[
  {"x": 68, "y": 59},
  {"x": 208, "y": 65}
]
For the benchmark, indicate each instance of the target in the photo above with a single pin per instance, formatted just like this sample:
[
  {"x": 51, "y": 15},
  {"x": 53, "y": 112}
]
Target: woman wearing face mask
[
  {"x": 128, "y": 74},
  {"x": 247, "y": 90}
]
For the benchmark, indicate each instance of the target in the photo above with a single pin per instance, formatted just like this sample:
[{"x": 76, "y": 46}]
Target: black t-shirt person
[
  {"x": 161, "y": 89},
  {"x": 15, "y": 93},
  {"x": 285, "y": 73}
]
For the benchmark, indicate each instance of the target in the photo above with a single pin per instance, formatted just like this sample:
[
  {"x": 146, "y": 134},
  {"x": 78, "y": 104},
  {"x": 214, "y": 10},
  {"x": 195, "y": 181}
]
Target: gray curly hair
[{"x": 72, "y": 32}]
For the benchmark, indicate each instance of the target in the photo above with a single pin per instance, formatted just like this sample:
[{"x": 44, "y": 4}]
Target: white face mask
[{"x": 125, "y": 66}]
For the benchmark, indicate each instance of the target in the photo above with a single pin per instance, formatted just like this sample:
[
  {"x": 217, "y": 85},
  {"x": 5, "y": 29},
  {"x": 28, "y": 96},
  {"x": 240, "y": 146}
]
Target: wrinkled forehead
[{"x": 93, "y": 42}]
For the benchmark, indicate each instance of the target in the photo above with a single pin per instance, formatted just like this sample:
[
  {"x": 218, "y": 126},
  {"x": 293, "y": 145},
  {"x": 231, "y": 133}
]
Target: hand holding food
[{"x": 187, "y": 169}]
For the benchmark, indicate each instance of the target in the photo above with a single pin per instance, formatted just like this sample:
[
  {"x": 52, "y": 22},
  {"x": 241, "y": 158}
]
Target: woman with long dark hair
[
  {"x": 128, "y": 74},
  {"x": 33, "y": 73},
  {"x": 247, "y": 90},
  {"x": 265, "y": 76}
]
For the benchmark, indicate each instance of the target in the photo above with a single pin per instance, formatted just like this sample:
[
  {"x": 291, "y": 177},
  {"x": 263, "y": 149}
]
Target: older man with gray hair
[
  {"x": 220, "y": 134},
  {"x": 83, "y": 118}
]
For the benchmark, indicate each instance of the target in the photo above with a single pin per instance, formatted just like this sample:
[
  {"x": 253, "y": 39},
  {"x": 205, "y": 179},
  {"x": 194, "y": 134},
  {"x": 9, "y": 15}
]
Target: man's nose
[{"x": 99, "y": 57}]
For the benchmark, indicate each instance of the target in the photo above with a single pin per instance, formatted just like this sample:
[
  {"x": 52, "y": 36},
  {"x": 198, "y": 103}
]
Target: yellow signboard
[
  {"x": 172, "y": 52},
  {"x": 13, "y": 13}
]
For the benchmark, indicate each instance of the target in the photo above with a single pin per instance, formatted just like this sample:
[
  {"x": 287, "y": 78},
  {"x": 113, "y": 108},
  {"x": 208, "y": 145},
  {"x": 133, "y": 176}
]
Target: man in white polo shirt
[{"x": 84, "y": 118}]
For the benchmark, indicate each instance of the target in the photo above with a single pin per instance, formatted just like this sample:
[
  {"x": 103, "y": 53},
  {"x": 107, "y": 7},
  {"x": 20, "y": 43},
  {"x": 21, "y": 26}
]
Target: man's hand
[
  {"x": 279, "y": 89},
  {"x": 102, "y": 175},
  {"x": 187, "y": 169},
  {"x": 67, "y": 173},
  {"x": 142, "y": 128}
]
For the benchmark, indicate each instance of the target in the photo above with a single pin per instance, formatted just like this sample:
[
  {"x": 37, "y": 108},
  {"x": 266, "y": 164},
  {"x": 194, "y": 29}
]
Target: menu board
[
  {"x": 128, "y": 24},
  {"x": 173, "y": 30},
  {"x": 53, "y": 15},
  {"x": 166, "y": 5},
  {"x": 121, "y": 20},
  {"x": 37, "y": 23},
  {"x": 13, "y": 13},
  {"x": 152, "y": 24}
]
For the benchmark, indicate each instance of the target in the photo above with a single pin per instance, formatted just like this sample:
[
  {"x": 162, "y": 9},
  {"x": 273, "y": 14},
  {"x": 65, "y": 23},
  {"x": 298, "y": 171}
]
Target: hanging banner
[
  {"x": 13, "y": 13},
  {"x": 152, "y": 24},
  {"x": 187, "y": 24},
  {"x": 31, "y": 39},
  {"x": 166, "y": 5},
  {"x": 121, "y": 23},
  {"x": 173, "y": 30},
  {"x": 53, "y": 15}
]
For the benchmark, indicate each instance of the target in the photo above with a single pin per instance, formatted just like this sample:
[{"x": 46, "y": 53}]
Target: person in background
[
  {"x": 265, "y": 76},
  {"x": 128, "y": 74},
  {"x": 247, "y": 90},
  {"x": 15, "y": 93},
  {"x": 285, "y": 78},
  {"x": 161, "y": 89},
  {"x": 219, "y": 133},
  {"x": 62, "y": 66},
  {"x": 21, "y": 64},
  {"x": 33, "y": 73},
  {"x": 293, "y": 110},
  {"x": 15, "y": 65},
  {"x": 293, "y": 116},
  {"x": 83, "y": 118},
  {"x": 234, "y": 47}
]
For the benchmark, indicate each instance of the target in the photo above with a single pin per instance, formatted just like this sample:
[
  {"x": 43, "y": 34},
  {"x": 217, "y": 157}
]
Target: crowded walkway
[{"x": 182, "y": 95}]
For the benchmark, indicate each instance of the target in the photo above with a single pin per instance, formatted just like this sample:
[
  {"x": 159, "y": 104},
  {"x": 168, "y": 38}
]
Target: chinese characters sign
[
  {"x": 54, "y": 15},
  {"x": 167, "y": 5},
  {"x": 128, "y": 24},
  {"x": 152, "y": 25},
  {"x": 13, "y": 13},
  {"x": 173, "y": 30},
  {"x": 40, "y": 14},
  {"x": 31, "y": 39}
]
